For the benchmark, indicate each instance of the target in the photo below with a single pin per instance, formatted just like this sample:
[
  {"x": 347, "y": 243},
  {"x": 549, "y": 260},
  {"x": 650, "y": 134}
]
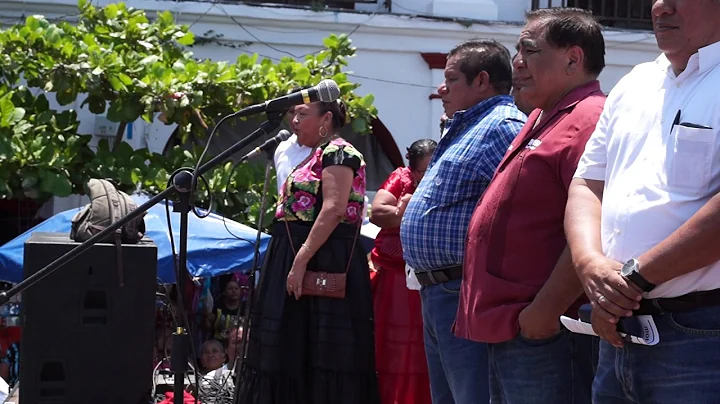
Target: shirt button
[
  {"x": 438, "y": 181},
  {"x": 617, "y": 231}
]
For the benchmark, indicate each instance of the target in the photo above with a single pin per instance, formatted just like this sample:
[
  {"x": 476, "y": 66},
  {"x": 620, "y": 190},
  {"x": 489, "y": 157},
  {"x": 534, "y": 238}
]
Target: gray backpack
[{"x": 107, "y": 205}]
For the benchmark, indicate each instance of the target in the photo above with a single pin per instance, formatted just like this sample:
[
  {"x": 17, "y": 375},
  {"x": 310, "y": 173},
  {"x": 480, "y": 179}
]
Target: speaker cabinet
[{"x": 88, "y": 328}]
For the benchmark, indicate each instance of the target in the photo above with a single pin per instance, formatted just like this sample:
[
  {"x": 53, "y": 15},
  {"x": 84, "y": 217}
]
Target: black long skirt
[{"x": 316, "y": 350}]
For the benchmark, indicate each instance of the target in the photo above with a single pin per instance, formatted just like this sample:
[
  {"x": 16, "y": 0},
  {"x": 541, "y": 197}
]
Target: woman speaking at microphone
[{"x": 312, "y": 342}]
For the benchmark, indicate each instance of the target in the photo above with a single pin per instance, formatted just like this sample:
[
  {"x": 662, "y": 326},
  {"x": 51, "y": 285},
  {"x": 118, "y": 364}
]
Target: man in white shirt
[
  {"x": 289, "y": 153},
  {"x": 643, "y": 215}
]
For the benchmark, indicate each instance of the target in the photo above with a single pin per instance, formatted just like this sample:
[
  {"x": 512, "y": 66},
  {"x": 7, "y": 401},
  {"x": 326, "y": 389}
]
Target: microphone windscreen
[{"x": 328, "y": 90}]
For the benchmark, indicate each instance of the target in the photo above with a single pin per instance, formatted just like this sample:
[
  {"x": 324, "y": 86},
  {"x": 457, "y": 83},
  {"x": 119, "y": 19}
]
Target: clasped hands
[{"x": 611, "y": 296}]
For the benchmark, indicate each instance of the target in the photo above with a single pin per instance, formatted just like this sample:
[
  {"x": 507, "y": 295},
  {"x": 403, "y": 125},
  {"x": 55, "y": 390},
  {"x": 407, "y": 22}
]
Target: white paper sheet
[
  {"x": 410, "y": 278},
  {"x": 651, "y": 336}
]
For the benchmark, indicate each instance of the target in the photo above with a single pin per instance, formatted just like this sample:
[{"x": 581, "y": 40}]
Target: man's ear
[
  {"x": 482, "y": 82},
  {"x": 575, "y": 59}
]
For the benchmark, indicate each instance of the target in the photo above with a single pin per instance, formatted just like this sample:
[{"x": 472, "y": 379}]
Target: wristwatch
[{"x": 630, "y": 272}]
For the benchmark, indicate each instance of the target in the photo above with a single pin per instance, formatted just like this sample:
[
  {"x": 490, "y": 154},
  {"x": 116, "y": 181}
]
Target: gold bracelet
[{"x": 307, "y": 248}]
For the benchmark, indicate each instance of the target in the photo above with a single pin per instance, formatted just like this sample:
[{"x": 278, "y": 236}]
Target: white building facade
[{"x": 401, "y": 46}]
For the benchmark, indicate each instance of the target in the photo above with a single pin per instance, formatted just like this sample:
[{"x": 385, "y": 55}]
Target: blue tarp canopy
[{"x": 212, "y": 250}]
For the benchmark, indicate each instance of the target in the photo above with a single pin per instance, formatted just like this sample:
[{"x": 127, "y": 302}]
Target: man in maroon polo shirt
[{"x": 518, "y": 277}]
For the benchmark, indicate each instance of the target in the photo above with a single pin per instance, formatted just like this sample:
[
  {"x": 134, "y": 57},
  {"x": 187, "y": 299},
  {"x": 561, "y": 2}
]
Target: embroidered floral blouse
[{"x": 301, "y": 195}]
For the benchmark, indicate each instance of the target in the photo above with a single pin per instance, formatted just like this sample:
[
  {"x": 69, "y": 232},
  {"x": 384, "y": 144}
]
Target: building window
[{"x": 628, "y": 14}]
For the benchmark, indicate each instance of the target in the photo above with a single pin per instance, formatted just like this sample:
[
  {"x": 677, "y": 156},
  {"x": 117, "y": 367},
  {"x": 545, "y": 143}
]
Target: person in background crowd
[
  {"x": 484, "y": 121},
  {"x": 643, "y": 216},
  {"x": 400, "y": 354},
  {"x": 289, "y": 153},
  {"x": 225, "y": 313},
  {"x": 308, "y": 349},
  {"x": 212, "y": 356},
  {"x": 443, "y": 124},
  {"x": 519, "y": 278},
  {"x": 519, "y": 97},
  {"x": 10, "y": 365}
]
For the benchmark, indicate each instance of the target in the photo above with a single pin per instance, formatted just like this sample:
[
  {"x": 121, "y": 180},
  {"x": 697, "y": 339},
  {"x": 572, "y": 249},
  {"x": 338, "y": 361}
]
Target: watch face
[{"x": 628, "y": 268}]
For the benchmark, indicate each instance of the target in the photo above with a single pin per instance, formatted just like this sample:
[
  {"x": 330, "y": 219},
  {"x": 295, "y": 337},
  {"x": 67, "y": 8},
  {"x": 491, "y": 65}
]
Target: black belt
[
  {"x": 680, "y": 303},
  {"x": 440, "y": 275}
]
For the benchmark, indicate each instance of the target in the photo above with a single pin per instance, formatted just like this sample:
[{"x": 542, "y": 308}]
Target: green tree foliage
[{"x": 128, "y": 66}]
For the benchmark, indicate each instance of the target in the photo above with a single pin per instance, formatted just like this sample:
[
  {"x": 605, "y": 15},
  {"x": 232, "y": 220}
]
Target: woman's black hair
[
  {"x": 419, "y": 150},
  {"x": 338, "y": 110}
]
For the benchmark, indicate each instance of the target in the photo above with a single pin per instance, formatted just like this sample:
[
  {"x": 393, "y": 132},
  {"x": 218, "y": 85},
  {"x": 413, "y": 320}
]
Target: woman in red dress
[{"x": 400, "y": 352}]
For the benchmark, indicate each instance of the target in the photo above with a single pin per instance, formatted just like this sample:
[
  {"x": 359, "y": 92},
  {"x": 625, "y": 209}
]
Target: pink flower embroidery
[
  {"x": 353, "y": 211},
  {"x": 303, "y": 201},
  {"x": 304, "y": 174},
  {"x": 358, "y": 185}
]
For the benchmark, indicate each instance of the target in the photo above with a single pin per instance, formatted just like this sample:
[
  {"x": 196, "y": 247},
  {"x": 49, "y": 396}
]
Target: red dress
[{"x": 400, "y": 351}]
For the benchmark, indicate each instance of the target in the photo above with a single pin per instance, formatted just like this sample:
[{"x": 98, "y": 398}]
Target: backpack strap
[{"x": 113, "y": 200}]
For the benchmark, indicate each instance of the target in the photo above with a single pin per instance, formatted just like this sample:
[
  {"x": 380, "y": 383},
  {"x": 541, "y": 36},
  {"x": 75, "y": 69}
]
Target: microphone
[
  {"x": 269, "y": 145},
  {"x": 325, "y": 91}
]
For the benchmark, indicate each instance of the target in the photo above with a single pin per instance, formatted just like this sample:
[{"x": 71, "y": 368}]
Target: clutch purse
[{"x": 325, "y": 284}]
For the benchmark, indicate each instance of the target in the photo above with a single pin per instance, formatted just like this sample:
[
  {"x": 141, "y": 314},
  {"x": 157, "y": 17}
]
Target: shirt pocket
[
  {"x": 454, "y": 182},
  {"x": 690, "y": 168}
]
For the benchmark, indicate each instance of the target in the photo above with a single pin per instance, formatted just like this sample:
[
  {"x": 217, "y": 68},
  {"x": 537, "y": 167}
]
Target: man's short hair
[
  {"x": 568, "y": 27},
  {"x": 478, "y": 55}
]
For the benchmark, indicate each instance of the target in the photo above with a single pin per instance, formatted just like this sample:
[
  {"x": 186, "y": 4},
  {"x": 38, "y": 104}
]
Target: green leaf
[
  {"x": 115, "y": 112},
  {"x": 187, "y": 39},
  {"x": 96, "y": 104},
  {"x": 55, "y": 183},
  {"x": 148, "y": 60},
  {"x": 7, "y": 110},
  {"x": 302, "y": 74},
  {"x": 17, "y": 115},
  {"x": 368, "y": 100},
  {"x": 359, "y": 125},
  {"x": 125, "y": 79},
  {"x": 116, "y": 83},
  {"x": 111, "y": 11}
]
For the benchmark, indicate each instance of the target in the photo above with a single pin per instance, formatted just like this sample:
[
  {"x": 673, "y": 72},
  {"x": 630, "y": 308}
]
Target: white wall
[{"x": 388, "y": 62}]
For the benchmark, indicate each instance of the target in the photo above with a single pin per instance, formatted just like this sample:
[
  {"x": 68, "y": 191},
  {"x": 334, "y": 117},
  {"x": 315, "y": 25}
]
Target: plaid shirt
[{"x": 434, "y": 225}]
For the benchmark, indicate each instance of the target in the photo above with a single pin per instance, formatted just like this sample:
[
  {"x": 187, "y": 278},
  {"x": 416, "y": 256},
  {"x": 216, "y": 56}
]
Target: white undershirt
[{"x": 288, "y": 155}]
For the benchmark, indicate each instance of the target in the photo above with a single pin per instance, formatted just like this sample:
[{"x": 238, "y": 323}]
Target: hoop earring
[{"x": 320, "y": 132}]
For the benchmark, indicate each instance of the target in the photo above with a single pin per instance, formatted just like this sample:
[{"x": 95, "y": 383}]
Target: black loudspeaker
[{"x": 86, "y": 338}]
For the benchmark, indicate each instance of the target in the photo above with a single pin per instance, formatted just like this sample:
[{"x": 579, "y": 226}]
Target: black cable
[
  {"x": 204, "y": 152},
  {"x": 225, "y": 196}
]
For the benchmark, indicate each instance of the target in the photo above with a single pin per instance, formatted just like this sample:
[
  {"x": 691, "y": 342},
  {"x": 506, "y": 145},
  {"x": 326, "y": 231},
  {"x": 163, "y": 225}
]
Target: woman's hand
[
  {"x": 295, "y": 278},
  {"x": 402, "y": 205}
]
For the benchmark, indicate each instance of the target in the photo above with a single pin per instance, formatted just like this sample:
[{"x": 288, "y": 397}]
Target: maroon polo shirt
[{"x": 516, "y": 234}]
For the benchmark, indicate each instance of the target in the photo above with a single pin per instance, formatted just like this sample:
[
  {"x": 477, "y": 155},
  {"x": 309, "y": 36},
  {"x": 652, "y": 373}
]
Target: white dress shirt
[
  {"x": 657, "y": 148},
  {"x": 288, "y": 154}
]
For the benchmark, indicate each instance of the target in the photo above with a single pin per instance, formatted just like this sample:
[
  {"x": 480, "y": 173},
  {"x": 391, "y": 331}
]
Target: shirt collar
[
  {"x": 573, "y": 97},
  {"x": 703, "y": 60},
  {"x": 480, "y": 107}
]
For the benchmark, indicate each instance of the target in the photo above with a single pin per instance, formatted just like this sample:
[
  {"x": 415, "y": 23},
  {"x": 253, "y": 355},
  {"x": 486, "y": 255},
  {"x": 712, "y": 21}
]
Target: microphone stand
[{"x": 182, "y": 184}]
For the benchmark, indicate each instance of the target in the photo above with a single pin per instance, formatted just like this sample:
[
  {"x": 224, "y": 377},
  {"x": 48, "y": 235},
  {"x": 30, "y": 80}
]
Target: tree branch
[{"x": 119, "y": 134}]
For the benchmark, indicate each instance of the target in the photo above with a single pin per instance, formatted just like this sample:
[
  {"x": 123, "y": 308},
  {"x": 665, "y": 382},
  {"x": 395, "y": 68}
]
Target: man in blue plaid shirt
[{"x": 483, "y": 122}]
